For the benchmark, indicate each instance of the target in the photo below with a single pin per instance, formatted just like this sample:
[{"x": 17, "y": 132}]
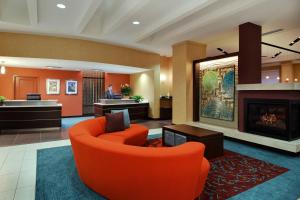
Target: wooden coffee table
[{"x": 212, "y": 140}]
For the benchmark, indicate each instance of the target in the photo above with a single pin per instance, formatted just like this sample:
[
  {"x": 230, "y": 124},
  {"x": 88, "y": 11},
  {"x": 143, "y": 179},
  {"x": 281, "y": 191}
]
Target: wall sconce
[
  {"x": 2, "y": 69},
  {"x": 296, "y": 80},
  {"x": 287, "y": 80},
  {"x": 163, "y": 78}
]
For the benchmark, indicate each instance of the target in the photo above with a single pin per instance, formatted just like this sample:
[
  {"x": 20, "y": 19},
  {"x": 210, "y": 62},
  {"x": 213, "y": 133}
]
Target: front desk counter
[{"x": 23, "y": 114}]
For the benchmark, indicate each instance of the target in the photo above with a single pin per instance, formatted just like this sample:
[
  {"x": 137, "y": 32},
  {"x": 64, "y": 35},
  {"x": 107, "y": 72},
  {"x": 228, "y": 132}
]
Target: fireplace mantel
[{"x": 276, "y": 86}]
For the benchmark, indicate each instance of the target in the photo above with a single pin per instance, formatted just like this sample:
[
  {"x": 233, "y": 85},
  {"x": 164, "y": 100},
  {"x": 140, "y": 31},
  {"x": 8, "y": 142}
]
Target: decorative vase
[{"x": 125, "y": 96}]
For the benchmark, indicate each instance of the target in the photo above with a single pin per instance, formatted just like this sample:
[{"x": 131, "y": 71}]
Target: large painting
[{"x": 217, "y": 93}]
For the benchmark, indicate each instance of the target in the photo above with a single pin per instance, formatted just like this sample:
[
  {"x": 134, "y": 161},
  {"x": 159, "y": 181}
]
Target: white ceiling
[
  {"x": 163, "y": 22},
  {"x": 71, "y": 65}
]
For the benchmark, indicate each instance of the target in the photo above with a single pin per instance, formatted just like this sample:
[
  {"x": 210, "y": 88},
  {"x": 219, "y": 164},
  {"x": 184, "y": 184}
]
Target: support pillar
[
  {"x": 184, "y": 54},
  {"x": 249, "y": 53}
]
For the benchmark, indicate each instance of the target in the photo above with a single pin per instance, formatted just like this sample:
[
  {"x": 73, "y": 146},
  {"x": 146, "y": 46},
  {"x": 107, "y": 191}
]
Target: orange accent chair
[{"x": 115, "y": 166}]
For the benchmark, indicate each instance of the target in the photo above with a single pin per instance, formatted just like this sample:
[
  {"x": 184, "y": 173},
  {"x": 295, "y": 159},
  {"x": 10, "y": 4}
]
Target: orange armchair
[{"x": 119, "y": 171}]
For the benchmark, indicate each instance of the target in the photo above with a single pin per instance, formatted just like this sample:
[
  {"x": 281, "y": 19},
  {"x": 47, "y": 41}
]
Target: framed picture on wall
[
  {"x": 53, "y": 86},
  {"x": 71, "y": 87}
]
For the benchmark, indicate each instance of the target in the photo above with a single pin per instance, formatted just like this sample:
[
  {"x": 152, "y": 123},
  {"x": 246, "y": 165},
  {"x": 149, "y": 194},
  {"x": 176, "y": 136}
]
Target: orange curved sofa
[{"x": 114, "y": 166}]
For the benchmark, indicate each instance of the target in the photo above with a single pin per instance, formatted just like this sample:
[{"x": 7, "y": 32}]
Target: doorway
[
  {"x": 24, "y": 85},
  {"x": 93, "y": 90}
]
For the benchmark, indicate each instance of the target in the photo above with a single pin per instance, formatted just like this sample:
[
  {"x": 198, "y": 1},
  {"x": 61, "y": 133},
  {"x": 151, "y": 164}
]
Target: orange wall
[
  {"x": 116, "y": 80},
  {"x": 72, "y": 104}
]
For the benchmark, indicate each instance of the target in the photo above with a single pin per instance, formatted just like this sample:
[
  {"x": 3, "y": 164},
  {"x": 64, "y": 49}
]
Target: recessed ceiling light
[
  {"x": 136, "y": 22},
  {"x": 60, "y": 5}
]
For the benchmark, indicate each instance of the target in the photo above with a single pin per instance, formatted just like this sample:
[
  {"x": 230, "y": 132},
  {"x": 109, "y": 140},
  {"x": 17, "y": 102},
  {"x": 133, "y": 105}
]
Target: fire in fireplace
[{"x": 273, "y": 118}]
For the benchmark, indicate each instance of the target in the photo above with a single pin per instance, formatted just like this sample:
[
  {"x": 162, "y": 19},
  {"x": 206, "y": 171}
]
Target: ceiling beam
[
  {"x": 88, "y": 15},
  {"x": 189, "y": 8},
  {"x": 125, "y": 12},
  {"x": 217, "y": 15},
  {"x": 33, "y": 12}
]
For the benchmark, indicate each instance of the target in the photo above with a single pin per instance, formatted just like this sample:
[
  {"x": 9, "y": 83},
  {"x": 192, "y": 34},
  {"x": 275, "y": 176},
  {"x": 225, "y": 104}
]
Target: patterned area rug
[{"x": 233, "y": 173}]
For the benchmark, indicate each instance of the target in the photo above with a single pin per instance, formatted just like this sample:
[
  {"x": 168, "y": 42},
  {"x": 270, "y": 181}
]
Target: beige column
[
  {"x": 184, "y": 54},
  {"x": 147, "y": 84},
  {"x": 287, "y": 72},
  {"x": 165, "y": 76}
]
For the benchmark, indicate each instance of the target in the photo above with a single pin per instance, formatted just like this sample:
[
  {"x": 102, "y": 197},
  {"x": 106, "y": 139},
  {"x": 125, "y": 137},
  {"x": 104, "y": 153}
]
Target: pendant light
[{"x": 2, "y": 68}]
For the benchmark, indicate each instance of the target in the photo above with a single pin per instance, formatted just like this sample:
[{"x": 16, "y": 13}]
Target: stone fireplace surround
[
  {"x": 272, "y": 118},
  {"x": 262, "y": 91}
]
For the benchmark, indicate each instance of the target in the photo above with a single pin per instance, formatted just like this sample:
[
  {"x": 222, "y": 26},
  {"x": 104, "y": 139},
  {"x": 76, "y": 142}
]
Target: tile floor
[
  {"x": 17, "y": 137},
  {"x": 18, "y": 168}
]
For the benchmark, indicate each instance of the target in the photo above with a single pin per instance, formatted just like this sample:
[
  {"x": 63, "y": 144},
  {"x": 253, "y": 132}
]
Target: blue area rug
[
  {"x": 70, "y": 121},
  {"x": 57, "y": 178}
]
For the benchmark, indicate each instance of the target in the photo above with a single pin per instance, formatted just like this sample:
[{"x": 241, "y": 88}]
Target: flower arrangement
[{"x": 125, "y": 89}]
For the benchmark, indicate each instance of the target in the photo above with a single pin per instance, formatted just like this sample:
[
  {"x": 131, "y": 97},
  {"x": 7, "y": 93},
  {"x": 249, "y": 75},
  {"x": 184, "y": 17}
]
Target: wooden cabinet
[{"x": 166, "y": 108}]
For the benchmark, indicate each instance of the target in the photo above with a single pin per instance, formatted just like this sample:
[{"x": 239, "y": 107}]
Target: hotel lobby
[{"x": 149, "y": 100}]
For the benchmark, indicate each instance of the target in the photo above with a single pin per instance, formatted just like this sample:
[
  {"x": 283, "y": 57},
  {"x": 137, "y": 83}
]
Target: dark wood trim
[
  {"x": 196, "y": 81},
  {"x": 196, "y": 99}
]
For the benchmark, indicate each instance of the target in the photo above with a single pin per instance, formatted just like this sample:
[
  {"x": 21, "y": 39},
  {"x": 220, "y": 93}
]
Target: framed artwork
[
  {"x": 53, "y": 86},
  {"x": 217, "y": 93},
  {"x": 71, "y": 87}
]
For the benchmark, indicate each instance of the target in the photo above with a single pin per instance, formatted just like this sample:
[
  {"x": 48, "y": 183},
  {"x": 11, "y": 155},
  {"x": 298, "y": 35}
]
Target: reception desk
[
  {"x": 23, "y": 114},
  {"x": 136, "y": 110}
]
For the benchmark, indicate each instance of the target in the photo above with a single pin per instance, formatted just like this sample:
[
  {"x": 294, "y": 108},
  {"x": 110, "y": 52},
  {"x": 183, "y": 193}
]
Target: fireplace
[{"x": 273, "y": 118}]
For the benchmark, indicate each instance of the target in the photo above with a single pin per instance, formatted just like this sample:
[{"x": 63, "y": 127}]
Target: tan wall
[
  {"x": 37, "y": 46},
  {"x": 166, "y": 70},
  {"x": 287, "y": 71},
  {"x": 183, "y": 55},
  {"x": 142, "y": 84},
  {"x": 297, "y": 72}
]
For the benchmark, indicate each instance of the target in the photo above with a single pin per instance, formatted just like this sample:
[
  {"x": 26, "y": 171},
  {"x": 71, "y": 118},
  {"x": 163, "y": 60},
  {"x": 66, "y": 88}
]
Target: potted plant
[
  {"x": 2, "y": 99},
  {"x": 137, "y": 98},
  {"x": 125, "y": 90}
]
